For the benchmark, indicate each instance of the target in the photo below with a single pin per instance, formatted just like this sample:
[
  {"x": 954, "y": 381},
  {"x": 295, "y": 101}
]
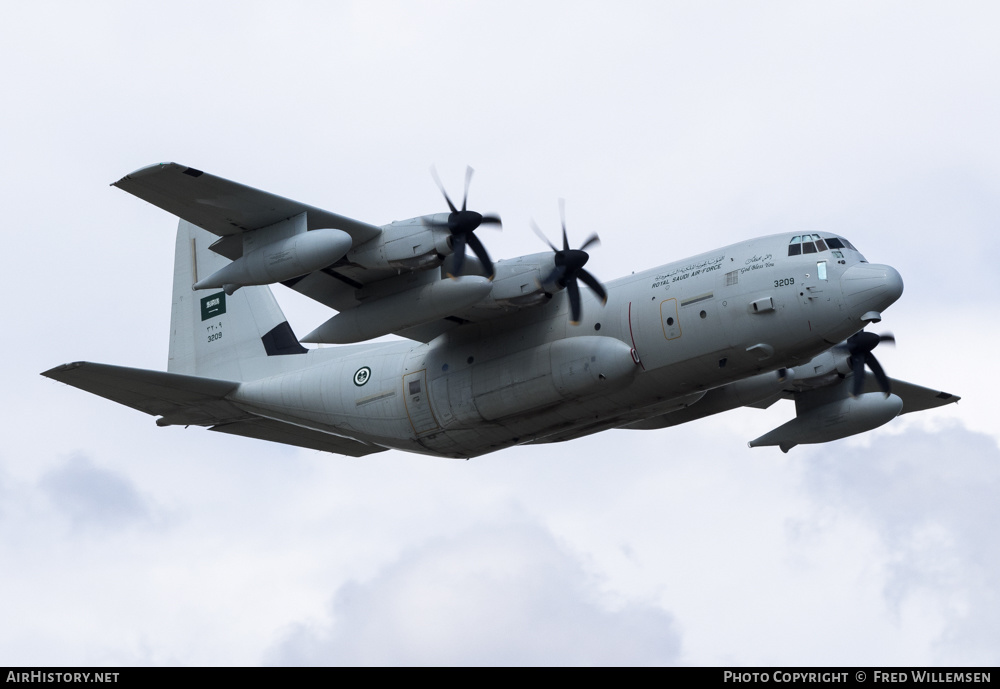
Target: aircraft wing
[
  {"x": 915, "y": 397},
  {"x": 227, "y": 208},
  {"x": 190, "y": 400}
]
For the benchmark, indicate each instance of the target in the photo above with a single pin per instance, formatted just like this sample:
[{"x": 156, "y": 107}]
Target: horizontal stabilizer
[
  {"x": 226, "y": 208},
  {"x": 290, "y": 434},
  {"x": 191, "y": 400},
  {"x": 179, "y": 399}
]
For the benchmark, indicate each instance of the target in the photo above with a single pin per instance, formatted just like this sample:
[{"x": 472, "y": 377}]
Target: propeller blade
[
  {"x": 542, "y": 236},
  {"x": 573, "y": 290},
  {"x": 880, "y": 377},
  {"x": 858, "y": 368},
  {"x": 592, "y": 240},
  {"x": 594, "y": 284},
  {"x": 462, "y": 224},
  {"x": 860, "y": 346},
  {"x": 569, "y": 267},
  {"x": 458, "y": 255},
  {"x": 443, "y": 192},
  {"x": 480, "y": 251},
  {"x": 468, "y": 178}
]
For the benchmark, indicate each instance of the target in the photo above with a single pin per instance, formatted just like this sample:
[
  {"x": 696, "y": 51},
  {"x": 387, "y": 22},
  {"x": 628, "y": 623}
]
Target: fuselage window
[
  {"x": 821, "y": 270},
  {"x": 808, "y": 248}
]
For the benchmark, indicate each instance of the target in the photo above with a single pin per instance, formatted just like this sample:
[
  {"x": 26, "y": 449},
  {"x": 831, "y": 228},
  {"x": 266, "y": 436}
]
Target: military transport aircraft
[{"x": 493, "y": 354}]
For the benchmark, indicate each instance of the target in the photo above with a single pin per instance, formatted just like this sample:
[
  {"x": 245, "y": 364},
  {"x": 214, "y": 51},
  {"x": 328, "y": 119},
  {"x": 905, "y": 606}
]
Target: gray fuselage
[{"x": 664, "y": 337}]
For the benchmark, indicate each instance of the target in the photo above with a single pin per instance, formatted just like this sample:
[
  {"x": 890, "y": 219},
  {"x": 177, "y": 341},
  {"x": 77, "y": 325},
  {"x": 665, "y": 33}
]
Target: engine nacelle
[
  {"x": 518, "y": 281},
  {"x": 396, "y": 312},
  {"x": 834, "y": 420},
  {"x": 407, "y": 244}
]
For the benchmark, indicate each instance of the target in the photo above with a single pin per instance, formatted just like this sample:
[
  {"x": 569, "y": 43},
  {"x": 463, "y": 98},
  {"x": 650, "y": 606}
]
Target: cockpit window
[{"x": 813, "y": 243}]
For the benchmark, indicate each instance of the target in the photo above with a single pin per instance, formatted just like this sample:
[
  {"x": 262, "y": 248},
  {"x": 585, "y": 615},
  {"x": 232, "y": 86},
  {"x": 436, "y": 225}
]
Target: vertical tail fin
[{"x": 215, "y": 335}]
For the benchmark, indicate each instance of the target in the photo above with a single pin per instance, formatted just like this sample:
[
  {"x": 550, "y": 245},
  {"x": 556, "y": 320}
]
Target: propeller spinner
[
  {"x": 569, "y": 267},
  {"x": 462, "y": 224},
  {"x": 859, "y": 347}
]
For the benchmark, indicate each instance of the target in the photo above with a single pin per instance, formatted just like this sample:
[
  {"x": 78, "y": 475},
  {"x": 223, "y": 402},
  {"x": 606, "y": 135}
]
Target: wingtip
[{"x": 157, "y": 167}]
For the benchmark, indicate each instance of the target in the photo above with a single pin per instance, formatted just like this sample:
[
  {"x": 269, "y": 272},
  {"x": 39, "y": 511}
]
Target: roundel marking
[{"x": 362, "y": 376}]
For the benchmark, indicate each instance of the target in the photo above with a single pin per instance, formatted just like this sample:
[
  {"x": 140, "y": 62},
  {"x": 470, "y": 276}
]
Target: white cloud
[
  {"x": 505, "y": 594},
  {"x": 931, "y": 499}
]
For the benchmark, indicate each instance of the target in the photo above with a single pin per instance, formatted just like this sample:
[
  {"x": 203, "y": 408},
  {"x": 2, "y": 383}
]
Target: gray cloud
[
  {"x": 91, "y": 496},
  {"x": 932, "y": 497},
  {"x": 496, "y": 595}
]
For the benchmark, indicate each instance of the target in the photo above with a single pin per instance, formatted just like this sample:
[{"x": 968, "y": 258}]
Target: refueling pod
[{"x": 279, "y": 252}]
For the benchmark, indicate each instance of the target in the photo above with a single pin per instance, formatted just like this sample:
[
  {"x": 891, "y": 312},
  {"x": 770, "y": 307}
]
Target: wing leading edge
[{"x": 227, "y": 208}]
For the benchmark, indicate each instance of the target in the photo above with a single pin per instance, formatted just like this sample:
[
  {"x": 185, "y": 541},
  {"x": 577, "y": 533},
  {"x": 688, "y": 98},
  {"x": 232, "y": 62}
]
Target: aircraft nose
[{"x": 871, "y": 287}]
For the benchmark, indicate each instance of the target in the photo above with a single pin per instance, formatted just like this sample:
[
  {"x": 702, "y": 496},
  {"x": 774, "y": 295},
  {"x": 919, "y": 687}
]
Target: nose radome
[{"x": 871, "y": 287}]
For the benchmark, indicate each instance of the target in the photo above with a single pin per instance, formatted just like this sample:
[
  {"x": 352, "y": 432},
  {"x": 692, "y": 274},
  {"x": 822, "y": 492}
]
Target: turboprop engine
[
  {"x": 412, "y": 244},
  {"x": 279, "y": 252}
]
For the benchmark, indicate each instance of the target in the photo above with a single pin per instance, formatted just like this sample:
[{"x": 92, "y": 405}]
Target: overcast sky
[{"x": 671, "y": 129}]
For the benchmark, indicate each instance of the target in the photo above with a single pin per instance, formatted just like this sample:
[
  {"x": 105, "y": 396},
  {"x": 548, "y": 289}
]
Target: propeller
[
  {"x": 462, "y": 224},
  {"x": 859, "y": 347},
  {"x": 569, "y": 267}
]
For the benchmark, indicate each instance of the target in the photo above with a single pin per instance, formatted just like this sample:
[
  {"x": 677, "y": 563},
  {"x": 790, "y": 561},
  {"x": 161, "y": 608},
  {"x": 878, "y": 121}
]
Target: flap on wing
[
  {"x": 179, "y": 399},
  {"x": 915, "y": 397},
  {"x": 223, "y": 207},
  {"x": 290, "y": 434}
]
